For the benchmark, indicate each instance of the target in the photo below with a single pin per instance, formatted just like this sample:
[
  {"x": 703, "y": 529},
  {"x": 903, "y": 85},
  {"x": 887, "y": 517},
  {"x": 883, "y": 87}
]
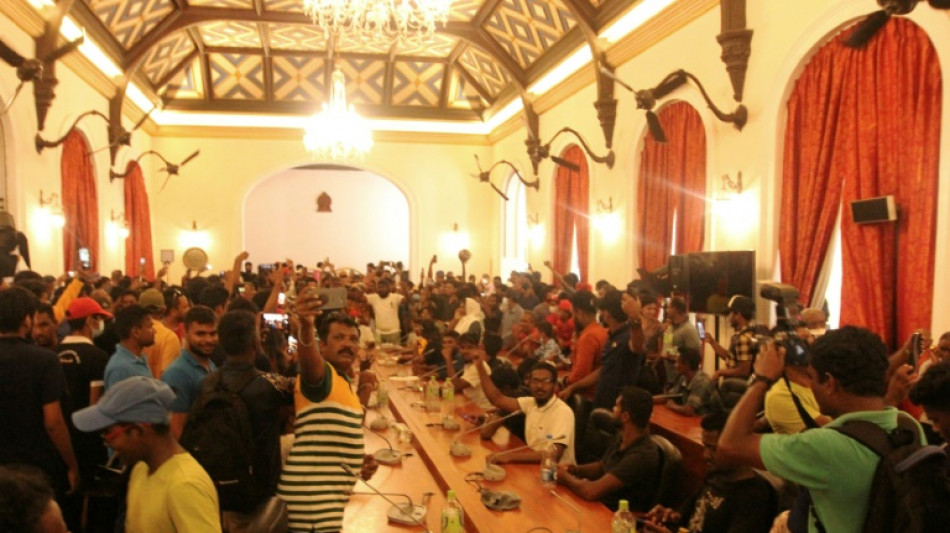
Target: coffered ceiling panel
[
  {"x": 240, "y": 4},
  {"x": 129, "y": 20},
  {"x": 207, "y": 54},
  {"x": 417, "y": 83},
  {"x": 486, "y": 71},
  {"x": 167, "y": 55},
  {"x": 237, "y": 76},
  {"x": 365, "y": 80},
  {"x": 230, "y": 34},
  {"x": 526, "y": 28},
  {"x": 294, "y": 37},
  {"x": 299, "y": 78}
]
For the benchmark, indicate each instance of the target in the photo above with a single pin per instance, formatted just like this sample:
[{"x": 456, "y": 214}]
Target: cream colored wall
[
  {"x": 435, "y": 179},
  {"x": 786, "y": 33},
  {"x": 28, "y": 172}
]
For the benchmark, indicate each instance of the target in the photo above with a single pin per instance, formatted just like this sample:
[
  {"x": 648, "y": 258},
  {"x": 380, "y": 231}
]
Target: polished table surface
[{"x": 539, "y": 508}]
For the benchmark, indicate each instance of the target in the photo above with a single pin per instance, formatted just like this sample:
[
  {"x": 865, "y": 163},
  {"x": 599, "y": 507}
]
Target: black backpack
[
  {"x": 218, "y": 434},
  {"x": 910, "y": 492}
]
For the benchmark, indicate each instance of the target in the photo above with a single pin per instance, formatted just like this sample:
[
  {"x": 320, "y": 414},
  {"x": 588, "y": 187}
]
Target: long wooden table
[
  {"x": 538, "y": 506},
  {"x": 685, "y": 433}
]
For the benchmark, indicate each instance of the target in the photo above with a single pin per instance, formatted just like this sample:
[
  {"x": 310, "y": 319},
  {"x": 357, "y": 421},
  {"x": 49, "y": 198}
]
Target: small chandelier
[
  {"x": 337, "y": 133},
  {"x": 361, "y": 20}
]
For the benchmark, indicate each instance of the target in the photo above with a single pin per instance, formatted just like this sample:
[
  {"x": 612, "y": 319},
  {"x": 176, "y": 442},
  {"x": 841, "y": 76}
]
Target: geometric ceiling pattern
[{"x": 268, "y": 56}]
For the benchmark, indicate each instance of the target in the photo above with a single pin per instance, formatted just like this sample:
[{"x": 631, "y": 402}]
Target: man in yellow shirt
[
  {"x": 168, "y": 492},
  {"x": 780, "y": 409},
  {"x": 167, "y": 346}
]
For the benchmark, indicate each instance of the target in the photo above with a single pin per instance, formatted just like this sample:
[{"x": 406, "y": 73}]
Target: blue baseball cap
[{"x": 137, "y": 400}]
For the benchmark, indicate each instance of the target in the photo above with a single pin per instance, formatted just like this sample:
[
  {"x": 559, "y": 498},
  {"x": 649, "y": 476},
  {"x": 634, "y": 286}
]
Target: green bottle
[{"x": 453, "y": 517}]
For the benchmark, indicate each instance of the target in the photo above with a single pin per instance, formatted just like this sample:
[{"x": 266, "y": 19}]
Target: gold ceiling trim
[{"x": 293, "y": 134}]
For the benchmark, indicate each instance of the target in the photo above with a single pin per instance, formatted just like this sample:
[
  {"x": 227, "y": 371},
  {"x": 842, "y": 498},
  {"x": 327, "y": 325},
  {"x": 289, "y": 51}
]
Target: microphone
[
  {"x": 459, "y": 449},
  {"x": 398, "y": 513},
  {"x": 572, "y": 506},
  {"x": 494, "y": 472},
  {"x": 387, "y": 456},
  {"x": 416, "y": 358}
]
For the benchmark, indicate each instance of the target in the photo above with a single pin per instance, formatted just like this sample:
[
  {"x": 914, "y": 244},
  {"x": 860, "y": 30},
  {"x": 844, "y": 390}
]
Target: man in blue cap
[{"x": 168, "y": 489}]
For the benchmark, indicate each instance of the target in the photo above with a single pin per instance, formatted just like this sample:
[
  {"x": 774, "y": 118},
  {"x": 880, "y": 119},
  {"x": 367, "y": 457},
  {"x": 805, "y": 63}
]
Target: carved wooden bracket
[{"x": 736, "y": 42}]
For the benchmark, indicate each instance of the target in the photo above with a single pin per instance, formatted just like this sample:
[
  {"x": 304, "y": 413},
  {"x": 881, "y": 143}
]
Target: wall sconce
[
  {"x": 51, "y": 211},
  {"x": 454, "y": 241},
  {"x": 535, "y": 230},
  {"x": 117, "y": 229},
  {"x": 606, "y": 221},
  {"x": 730, "y": 188},
  {"x": 194, "y": 238}
]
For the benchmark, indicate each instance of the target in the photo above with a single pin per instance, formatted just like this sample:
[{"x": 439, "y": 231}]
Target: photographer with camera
[{"x": 790, "y": 404}]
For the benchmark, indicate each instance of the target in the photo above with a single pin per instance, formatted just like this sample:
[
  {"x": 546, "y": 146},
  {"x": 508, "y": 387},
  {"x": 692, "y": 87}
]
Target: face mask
[
  {"x": 99, "y": 329},
  {"x": 416, "y": 297},
  {"x": 552, "y": 308},
  {"x": 817, "y": 332}
]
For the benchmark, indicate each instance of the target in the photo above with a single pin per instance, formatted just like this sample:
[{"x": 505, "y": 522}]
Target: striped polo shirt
[{"x": 328, "y": 432}]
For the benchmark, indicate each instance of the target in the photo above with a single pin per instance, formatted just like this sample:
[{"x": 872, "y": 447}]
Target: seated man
[
  {"x": 468, "y": 382},
  {"x": 545, "y": 414},
  {"x": 731, "y": 499},
  {"x": 507, "y": 380},
  {"x": 695, "y": 394},
  {"x": 435, "y": 357},
  {"x": 630, "y": 469}
]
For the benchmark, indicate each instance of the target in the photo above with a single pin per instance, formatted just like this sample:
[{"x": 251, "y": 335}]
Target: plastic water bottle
[
  {"x": 448, "y": 391},
  {"x": 453, "y": 517},
  {"x": 432, "y": 395},
  {"x": 623, "y": 521},
  {"x": 549, "y": 464},
  {"x": 382, "y": 394},
  {"x": 668, "y": 340}
]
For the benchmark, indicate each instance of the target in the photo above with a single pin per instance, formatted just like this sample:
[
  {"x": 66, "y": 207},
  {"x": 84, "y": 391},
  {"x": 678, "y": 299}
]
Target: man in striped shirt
[{"x": 328, "y": 430}]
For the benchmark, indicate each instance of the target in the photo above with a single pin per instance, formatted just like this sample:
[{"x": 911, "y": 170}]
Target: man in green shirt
[{"x": 847, "y": 371}]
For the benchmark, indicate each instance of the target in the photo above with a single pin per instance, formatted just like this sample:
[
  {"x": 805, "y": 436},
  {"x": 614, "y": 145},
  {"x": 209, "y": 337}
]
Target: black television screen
[{"x": 715, "y": 277}]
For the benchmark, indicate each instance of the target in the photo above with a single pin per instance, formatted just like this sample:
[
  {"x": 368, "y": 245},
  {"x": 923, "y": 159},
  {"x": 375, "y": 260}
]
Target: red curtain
[
  {"x": 672, "y": 180},
  {"x": 139, "y": 243},
  {"x": 79, "y": 200},
  {"x": 876, "y": 138},
  {"x": 571, "y": 206}
]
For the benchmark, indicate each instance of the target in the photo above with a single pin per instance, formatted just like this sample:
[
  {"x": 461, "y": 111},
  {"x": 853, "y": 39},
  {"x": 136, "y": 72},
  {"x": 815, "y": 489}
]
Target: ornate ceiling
[{"x": 267, "y": 56}]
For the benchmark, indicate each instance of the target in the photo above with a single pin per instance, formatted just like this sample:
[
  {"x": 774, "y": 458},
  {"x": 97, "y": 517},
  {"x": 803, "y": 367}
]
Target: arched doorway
[{"x": 315, "y": 212}]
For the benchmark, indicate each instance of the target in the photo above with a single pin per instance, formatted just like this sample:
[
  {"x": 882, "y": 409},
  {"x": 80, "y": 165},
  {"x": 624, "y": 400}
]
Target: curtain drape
[
  {"x": 865, "y": 123},
  {"x": 139, "y": 243},
  {"x": 672, "y": 181},
  {"x": 571, "y": 207},
  {"x": 79, "y": 202}
]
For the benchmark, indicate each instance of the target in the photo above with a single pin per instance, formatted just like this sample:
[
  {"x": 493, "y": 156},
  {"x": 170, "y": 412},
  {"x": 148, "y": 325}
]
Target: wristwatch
[{"x": 756, "y": 377}]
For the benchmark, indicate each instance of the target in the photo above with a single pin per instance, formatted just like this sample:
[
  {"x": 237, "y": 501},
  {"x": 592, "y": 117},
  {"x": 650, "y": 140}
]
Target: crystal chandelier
[
  {"x": 361, "y": 20},
  {"x": 337, "y": 133}
]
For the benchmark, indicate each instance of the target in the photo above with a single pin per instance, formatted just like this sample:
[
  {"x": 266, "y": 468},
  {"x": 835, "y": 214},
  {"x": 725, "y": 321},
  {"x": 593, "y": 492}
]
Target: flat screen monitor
[{"x": 715, "y": 277}]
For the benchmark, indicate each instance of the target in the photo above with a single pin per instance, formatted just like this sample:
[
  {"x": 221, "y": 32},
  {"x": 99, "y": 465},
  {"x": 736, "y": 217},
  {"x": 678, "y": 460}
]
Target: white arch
[{"x": 823, "y": 28}]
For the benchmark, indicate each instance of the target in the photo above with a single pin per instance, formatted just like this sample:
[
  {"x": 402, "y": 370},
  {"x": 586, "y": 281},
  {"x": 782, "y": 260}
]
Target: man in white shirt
[
  {"x": 469, "y": 383},
  {"x": 545, "y": 414},
  {"x": 385, "y": 304}
]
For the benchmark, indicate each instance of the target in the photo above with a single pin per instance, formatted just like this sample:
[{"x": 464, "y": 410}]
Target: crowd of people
[{"x": 229, "y": 401}]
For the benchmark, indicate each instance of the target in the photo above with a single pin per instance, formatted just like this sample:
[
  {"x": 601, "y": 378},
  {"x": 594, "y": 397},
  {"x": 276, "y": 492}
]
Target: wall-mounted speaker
[{"x": 874, "y": 210}]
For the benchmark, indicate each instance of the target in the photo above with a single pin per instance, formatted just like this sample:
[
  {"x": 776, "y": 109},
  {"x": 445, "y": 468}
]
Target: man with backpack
[
  {"x": 840, "y": 465},
  {"x": 235, "y": 424}
]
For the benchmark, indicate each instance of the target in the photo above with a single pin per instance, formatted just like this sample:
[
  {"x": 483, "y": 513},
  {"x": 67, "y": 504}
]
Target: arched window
[
  {"x": 139, "y": 243},
  {"x": 671, "y": 203},
  {"x": 861, "y": 124},
  {"x": 80, "y": 202},
  {"x": 514, "y": 227},
  {"x": 571, "y": 209}
]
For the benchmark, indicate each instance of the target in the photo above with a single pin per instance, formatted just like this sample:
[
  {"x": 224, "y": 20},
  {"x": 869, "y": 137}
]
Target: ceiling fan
[
  {"x": 485, "y": 175},
  {"x": 873, "y": 23},
  {"x": 171, "y": 168}
]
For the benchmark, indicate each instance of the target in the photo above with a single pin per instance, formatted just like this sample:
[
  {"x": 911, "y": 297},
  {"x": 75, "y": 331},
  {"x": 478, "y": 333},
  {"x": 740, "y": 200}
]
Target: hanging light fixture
[
  {"x": 337, "y": 133},
  {"x": 360, "y": 20}
]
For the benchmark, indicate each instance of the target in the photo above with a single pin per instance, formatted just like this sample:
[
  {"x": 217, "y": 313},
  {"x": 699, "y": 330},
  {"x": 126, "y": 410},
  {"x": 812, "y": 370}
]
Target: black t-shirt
[
  {"x": 83, "y": 364},
  {"x": 638, "y": 467},
  {"x": 109, "y": 338},
  {"x": 745, "y": 506},
  {"x": 30, "y": 377},
  {"x": 264, "y": 397}
]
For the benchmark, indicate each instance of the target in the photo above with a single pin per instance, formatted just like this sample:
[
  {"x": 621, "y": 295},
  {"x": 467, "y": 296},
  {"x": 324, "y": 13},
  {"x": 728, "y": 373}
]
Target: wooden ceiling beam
[{"x": 481, "y": 39}]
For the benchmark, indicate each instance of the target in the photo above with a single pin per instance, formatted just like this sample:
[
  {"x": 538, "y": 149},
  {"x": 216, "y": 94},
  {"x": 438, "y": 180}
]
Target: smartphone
[
  {"x": 275, "y": 320},
  {"x": 281, "y": 299},
  {"x": 914, "y": 349},
  {"x": 333, "y": 298},
  {"x": 142, "y": 261},
  {"x": 291, "y": 344},
  {"x": 701, "y": 328},
  {"x": 84, "y": 257},
  {"x": 241, "y": 289}
]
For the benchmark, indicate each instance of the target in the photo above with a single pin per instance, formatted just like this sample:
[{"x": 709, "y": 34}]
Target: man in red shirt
[
  {"x": 588, "y": 347},
  {"x": 563, "y": 322}
]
